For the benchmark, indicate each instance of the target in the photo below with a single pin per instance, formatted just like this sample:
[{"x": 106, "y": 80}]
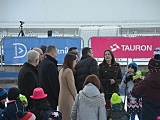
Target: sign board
[
  {"x": 125, "y": 47},
  {"x": 16, "y": 48}
]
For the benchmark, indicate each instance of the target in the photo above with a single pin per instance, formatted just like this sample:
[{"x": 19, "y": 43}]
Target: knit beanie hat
[
  {"x": 134, "y": 66},
  {"x": 13, "y": 93},
  {"x": 115, "y": 99},
  {"x": 157, "y": 53},
  {"x": 3, "y": 94},
  {"x": 154, "y": 63},
  {"x": 25, "y": 115}
]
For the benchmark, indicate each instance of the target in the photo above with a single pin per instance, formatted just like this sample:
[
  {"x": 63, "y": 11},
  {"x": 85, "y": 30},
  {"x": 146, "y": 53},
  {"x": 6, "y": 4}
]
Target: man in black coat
[
  {"x": 28, "y": 76},
  {"x": 48, "y": 76},
  {"x": 86, "y": 66}
]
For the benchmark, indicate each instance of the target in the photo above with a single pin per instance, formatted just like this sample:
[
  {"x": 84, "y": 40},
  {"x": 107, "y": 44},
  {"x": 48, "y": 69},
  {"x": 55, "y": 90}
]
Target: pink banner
[{"x": 125, "y": 47}]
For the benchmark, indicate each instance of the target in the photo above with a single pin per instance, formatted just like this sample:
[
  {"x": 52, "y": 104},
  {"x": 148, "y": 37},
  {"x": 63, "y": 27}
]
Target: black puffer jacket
[{"x": 86, "y": 66}]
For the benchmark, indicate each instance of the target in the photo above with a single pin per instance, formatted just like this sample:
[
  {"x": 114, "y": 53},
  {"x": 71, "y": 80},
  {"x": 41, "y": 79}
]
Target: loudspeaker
[{"x": 49, "y": 33}]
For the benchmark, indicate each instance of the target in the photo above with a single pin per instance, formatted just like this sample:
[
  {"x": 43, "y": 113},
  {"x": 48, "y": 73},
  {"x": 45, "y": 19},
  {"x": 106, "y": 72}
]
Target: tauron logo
[{"x": 114, "y": 47}]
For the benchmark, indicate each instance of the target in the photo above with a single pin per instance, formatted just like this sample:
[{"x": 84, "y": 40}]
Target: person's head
[
  {"x": 92, "y": 79},
  {"x": 43, "y": 48},
  {"x": 52, "y": 51},
  {"x": 25, "y": 115},
  {"x": 132, "y": 67},
  {"x": 3, "y": 95},
  {"x": 13, "y": 93},
  {"x": 70, "y": 61},
  {"x": 74, "y": 50},
  {"x": 154, "y": 65},
  {"x": 41, "y": 57},
  {"x": 87, "y": 51},
  {"x": 109, "y": 57},
  {"x": 115, "y": 99},
  {"x": 38, "y": 93},
  {"x": 33, "y": 57}
]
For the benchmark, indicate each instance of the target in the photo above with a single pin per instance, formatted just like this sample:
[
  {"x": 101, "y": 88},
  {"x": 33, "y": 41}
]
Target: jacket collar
[
  {"x": 31, "y": 67},
  {"x": 52, "y": 59},
  {"x": 85, "y": 56}
]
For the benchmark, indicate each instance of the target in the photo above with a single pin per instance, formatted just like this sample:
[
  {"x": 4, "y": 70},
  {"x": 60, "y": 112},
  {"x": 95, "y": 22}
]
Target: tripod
[{"x": 21, "y": 33}]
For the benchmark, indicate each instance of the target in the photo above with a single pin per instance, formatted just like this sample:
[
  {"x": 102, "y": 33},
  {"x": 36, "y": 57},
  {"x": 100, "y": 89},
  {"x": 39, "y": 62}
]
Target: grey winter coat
[{"x": 89, "y": 104}]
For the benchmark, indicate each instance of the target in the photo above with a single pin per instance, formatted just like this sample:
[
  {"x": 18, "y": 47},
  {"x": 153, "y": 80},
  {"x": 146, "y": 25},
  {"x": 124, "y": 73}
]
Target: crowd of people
[{"x": 81, "y": 89}]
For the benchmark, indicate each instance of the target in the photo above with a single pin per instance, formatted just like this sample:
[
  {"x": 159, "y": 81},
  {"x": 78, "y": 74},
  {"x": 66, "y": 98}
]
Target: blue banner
[{"x": 16, "y": 48}]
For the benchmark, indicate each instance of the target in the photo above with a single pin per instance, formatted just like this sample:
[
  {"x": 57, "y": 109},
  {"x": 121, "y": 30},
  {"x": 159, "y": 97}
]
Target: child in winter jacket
[
  {"x": 41, "y": 107},
  {"x": 134, "y": 105},
  {"x": 89, "y": 103},
  {"x": 13, "y": 105},
  {"x": 117, "y": 111}
]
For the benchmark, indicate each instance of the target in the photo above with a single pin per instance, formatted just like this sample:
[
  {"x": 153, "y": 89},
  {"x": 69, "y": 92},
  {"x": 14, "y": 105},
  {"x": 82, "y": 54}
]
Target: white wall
[{"x": 79, "y": 11}]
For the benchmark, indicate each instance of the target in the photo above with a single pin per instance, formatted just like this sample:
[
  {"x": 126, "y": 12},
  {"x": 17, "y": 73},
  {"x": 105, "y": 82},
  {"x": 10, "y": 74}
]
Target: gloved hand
[{"x": 129, "y": 76}]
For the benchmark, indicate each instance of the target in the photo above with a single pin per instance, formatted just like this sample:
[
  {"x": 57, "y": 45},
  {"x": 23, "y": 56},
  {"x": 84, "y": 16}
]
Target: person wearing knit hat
[
  {"x": 13, "y": 105},
  {"x": 134, "y": 105},
  {"x": 117, "y": 111},
  {"x": 134, "y": 66},
  {"x": 26, "y": 115},
  {"x": 115, "y": 99},
  {"x": 154, "y": 63},
  {"x": 149, "y": 89},
  {"x": 3, "y": 96}
]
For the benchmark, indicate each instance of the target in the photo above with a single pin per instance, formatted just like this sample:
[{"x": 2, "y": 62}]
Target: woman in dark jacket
[{"x": 110, "y": 75}]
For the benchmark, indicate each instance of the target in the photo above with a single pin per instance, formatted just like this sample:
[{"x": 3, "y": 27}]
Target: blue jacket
[{"x": 1, "y": 113}]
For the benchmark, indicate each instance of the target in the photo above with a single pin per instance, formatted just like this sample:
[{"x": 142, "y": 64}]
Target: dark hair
[
  {"x": 50, "y": 48},
  {"x": 72, "y": 52},
  {"x": 13, "y": 93},
  {"x": 68, "y": 61},
  {"x": 43, "y": 48},
  {"x": 86, "y": 50},
  {"x": 92, "y": 79},
  {"x": 72, "y": 48},
  {"x": 113, "y": 59}
]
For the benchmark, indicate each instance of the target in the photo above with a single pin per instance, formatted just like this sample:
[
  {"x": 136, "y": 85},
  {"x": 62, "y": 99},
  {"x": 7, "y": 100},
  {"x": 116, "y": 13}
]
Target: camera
[
  {"x": 21, "y": 22},
  {"x": 129, "y": 76}
]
